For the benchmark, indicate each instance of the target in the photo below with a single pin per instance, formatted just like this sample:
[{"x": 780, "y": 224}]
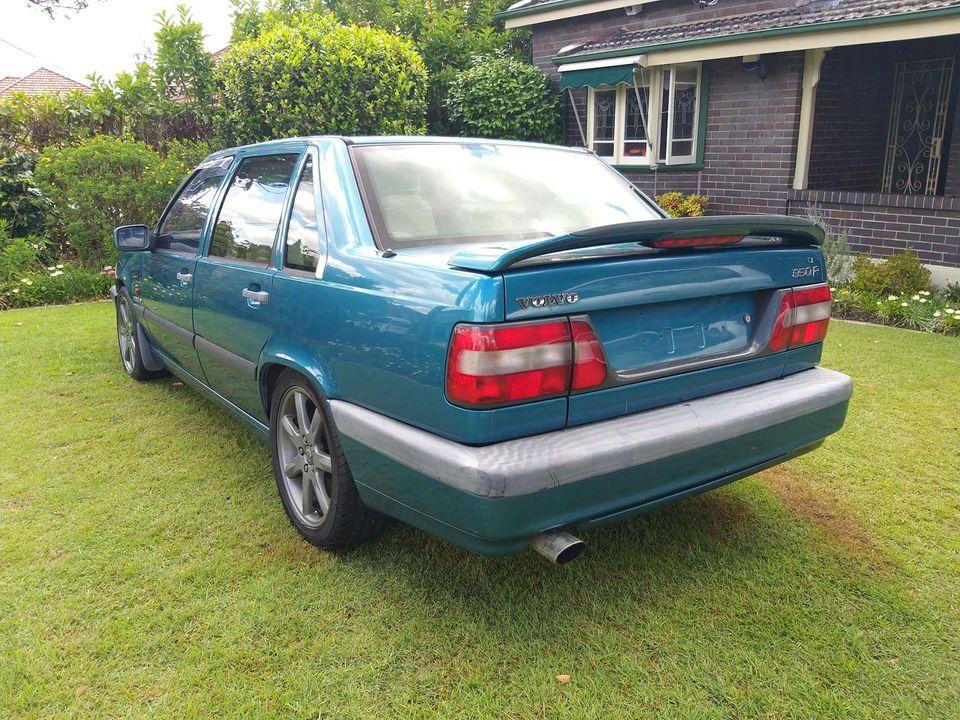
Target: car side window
[
  {"x": 302, "y": 251},
  {"x": 250, "y": 215},
  {"x": 182, "y": 226}
]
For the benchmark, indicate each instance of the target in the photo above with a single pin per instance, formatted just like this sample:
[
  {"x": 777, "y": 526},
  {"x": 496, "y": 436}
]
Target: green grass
[{"x": 147, "y": 569}]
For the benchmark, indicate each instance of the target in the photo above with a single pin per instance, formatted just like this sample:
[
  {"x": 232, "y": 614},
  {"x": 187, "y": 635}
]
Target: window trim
[{"x": 655, "y": 84}]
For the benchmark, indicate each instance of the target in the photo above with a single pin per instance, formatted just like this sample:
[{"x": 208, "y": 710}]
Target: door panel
[
  {"x": 166, "y": 288},
  {"x": 232, "y": 329},
  {"x": 232, "y": 294},
  {"x": 166, "y": 285}
]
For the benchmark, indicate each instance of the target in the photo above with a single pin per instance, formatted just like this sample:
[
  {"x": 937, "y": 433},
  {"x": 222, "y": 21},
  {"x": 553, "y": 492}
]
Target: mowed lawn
[{"x": 147, "y": 569}]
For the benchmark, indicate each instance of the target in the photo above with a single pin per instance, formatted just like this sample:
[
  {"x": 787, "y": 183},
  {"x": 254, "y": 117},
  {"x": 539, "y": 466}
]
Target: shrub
[
  {"x": 37, "y": 121},
  {"x": 318, "y": 77},
  {"x": 952, "y": 293},
  {"x": 902, "y": 274},
  {"x": 836, "y": 251},
  {"x": 60, "y": 284},
  {"x": 502, "y": 97},
  {"x": 105, "y": 182},
  {"x": 676, "y": 204},
  {"x": 22, "y": 205}
]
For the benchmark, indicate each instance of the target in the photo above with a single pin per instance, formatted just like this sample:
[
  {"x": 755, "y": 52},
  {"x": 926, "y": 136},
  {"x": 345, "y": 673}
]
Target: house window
[{"x": 622, "y": 130}]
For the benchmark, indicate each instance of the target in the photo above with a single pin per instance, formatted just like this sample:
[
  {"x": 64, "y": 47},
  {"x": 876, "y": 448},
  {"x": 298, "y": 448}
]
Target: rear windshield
[{"x": 433, "y": 194}]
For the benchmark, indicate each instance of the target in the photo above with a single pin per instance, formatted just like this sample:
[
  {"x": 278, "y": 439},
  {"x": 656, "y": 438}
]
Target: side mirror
[{"x": 133, "y": 237}]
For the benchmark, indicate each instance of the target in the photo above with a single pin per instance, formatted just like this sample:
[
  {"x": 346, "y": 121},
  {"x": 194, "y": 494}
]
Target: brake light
[
  {"x": 589, "y": 362},
  {"x": 500, "y": 364},
  {"x": 803, "y": 318},
  {"x": 492, "y": 365},
  {"x": 709, "y": 241}
]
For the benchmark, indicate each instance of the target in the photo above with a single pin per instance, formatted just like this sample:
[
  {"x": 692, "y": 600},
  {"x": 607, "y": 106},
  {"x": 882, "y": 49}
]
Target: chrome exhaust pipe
[{"x": 558, "y": 547}]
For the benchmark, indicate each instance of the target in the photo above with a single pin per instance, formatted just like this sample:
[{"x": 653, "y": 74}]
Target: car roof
[{"x": 385, "y": 140}]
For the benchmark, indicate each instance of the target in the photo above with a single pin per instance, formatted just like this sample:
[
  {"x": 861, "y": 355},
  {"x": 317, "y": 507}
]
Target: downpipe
[{"x": 558, "y": 547}]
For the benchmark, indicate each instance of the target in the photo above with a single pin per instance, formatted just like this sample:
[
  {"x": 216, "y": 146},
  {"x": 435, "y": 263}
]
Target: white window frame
[{"x": 655, "y": 79}]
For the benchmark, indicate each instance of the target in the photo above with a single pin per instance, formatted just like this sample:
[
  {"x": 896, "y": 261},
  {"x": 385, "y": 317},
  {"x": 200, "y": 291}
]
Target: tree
[
  {"x": 52, "y": 7},
  {"x": 183, "y": 69}
]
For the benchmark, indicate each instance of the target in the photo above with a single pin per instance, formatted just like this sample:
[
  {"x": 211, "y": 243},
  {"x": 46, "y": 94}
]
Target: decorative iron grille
[{"x": 918, "y": 120}]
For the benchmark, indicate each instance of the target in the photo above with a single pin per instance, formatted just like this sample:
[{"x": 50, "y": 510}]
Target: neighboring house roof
[
  {"x": 40, "y": 82},
  {"x": 813, "y": 16}
]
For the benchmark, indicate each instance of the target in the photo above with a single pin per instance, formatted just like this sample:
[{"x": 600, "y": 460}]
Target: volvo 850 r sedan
[{"x": 500, "y": 343}]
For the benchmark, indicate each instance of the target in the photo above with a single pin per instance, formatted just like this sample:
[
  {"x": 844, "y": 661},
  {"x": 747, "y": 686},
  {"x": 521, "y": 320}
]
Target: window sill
[{"x": 647, "y": 170}]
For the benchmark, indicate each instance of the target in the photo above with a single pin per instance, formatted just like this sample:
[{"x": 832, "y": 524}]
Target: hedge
[{"x": 318, "y": 77}]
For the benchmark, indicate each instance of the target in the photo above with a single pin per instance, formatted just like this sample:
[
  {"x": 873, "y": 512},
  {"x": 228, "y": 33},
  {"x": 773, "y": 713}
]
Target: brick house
[{"x": 772, "y": 106}]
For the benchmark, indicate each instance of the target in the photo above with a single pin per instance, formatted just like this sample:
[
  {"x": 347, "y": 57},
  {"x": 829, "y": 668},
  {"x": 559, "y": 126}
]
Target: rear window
[{"x": 433, "y": 194}]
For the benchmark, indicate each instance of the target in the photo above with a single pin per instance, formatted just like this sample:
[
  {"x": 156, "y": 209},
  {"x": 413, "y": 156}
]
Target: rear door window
[
  {"x": 302, "y": 250},
  {"x": 250, "y": 215},
  {"x": 182, "y": 226}
]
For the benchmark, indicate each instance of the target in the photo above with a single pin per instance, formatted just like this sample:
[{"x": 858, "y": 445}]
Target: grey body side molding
[{"x": 527, "y": 465}]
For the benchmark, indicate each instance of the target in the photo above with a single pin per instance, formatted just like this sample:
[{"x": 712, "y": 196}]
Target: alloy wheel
[
  {"x": 304, "y": 456},
  {"x": 126, "y": 331}
]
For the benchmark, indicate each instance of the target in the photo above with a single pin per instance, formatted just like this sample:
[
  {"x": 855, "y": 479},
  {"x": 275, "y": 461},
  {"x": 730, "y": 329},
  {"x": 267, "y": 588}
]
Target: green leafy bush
[
  {"x": 17, "y": 256},
  {"x": 22, "y": 205},
  {"x": 952, "y": 292},
  {"x": 105, "y": 182},
  {"x": 676, "y": 204},
  {"x": 902, "y": 274},
  {"x": 318, "y": 77},
  {"x": 59, "y": 284},
  {"x": 502, "y": 97}
]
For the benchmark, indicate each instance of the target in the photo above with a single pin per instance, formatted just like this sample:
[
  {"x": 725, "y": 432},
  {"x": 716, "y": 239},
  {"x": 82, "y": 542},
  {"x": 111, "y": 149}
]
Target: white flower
[
  {"x": 915, "y": 297},
  {"x": 55, "y": 274},
  {"x": 937, "y": 314},
  {"x": 924, "y": 292},
  {"x": 51, "y": 268},
  {"x": 923, "y": 300},
  {"x": 904, "y": 304},
  {"x": 16, "y": 290},
  {"x": 59, "y": 267},
  {"x": 26, "y": 281},
  {"x": 950, "y": 311},
  {"x": 879, "y": 302},
  {"x": 892, "y": 297}
]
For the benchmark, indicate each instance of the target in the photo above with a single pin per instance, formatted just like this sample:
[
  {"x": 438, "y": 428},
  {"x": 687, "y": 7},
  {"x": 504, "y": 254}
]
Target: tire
[
  {"x": 304, "y": 446},
  {"x": 128, "y": 338}
]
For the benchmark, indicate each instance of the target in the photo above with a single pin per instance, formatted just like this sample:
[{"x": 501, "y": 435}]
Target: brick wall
[{"x": 882, "y": 224}]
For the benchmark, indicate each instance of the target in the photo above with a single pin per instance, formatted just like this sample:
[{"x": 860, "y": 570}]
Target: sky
[{"x": 105, "y": 38}]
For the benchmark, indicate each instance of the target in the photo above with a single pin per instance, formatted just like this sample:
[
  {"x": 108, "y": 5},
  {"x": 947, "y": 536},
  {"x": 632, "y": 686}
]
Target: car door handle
[
  {"x": 185, "y": 278},
  {"x": 258, "y": 296}
]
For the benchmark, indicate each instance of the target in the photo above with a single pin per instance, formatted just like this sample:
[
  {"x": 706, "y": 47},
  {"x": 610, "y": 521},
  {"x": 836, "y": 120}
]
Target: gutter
[{"x": 761, "y": 34}]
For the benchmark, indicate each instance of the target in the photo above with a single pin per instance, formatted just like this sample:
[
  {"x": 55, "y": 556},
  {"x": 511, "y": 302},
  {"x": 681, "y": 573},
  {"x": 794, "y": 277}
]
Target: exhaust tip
[{"x": 558, "y": 547}]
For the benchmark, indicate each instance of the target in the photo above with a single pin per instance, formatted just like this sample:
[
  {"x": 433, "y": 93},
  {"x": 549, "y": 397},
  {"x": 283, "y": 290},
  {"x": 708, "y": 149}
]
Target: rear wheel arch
[{"x": 270, "y": 372}]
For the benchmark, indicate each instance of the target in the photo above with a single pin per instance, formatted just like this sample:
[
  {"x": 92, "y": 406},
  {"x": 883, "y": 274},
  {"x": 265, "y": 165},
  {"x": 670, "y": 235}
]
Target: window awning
[{"x": 596, "y": 77}]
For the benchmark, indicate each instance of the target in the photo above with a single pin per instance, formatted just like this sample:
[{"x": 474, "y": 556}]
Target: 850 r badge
[{"x": 542, "y": 301}]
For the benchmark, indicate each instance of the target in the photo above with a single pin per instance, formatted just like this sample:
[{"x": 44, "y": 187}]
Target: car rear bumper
[{"x": 493, "y": 498}]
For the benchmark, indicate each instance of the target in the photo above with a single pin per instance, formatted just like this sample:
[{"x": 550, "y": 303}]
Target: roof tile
[
  {"x": 40, "y": 82},
  {"x": 811, "y": 13}
]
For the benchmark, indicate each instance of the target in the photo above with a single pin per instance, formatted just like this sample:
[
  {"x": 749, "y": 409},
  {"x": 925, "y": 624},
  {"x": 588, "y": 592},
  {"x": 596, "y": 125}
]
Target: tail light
[
  {"x": 803, "y": 318},
  {"x": 501, "y": 364}
]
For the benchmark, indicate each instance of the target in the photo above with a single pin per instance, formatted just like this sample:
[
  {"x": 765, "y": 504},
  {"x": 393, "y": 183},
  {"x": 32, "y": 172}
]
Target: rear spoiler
[{"x": 731, "y": 228}]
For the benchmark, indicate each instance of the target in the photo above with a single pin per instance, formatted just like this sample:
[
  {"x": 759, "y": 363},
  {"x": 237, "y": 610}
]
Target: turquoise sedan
[{"x": 501, "y": 343}]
